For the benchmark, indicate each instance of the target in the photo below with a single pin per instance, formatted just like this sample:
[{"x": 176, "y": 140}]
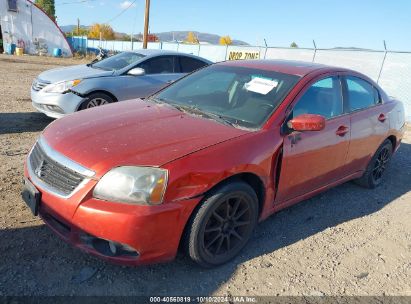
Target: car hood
[
  {"x": 73, "y": 72},
  {"x": 136, "y": 132}
]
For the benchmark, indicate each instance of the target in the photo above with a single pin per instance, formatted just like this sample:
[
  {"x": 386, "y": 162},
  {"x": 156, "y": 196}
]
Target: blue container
[
  {"x": 57, "y": 52},
  {"x": 10, "y": 48}
]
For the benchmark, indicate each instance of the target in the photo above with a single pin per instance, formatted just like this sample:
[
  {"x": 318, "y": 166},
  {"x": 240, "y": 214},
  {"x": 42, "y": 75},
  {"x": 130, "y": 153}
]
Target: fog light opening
[{"x": 108, "y": 248}]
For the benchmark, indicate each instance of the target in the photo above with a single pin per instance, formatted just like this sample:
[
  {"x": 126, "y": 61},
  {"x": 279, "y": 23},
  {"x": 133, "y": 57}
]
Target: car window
[
  {"x": 118, "y": 62},
  {"x": 323, "y": 97},
  {"x": 245, "y": 96},
  {"x": 361, "y": 94},
  {"x": 158, "y": 65},
  {"x": 189, "y": 64}
]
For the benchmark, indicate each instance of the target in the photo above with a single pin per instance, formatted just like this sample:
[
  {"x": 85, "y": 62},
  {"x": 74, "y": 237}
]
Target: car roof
[
  {"x": 298, "y": 68},
  {"x": 158, "y": 52}
]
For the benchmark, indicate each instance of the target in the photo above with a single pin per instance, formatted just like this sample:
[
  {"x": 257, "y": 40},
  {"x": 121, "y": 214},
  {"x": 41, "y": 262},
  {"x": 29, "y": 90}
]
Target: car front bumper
[
  {"x": 153, "y": 232},
  {"x": 55, "y": 105}
]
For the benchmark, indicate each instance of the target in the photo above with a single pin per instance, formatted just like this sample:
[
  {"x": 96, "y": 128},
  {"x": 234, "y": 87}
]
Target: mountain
[
  {"x": 72, "y": 27},
  {"x": 203, "y": 37},
  {"x": 168, "y": 36}
]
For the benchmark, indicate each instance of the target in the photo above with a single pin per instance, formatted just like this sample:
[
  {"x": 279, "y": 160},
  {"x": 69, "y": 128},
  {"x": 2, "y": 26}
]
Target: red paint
[
  {"x": 201, "y": 153},
  {"x": 307, "y": 122}
]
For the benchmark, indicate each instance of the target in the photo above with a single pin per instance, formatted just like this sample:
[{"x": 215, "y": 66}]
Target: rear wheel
[
  {"x": 96, "y": 100},
  {"x": 373, "y": 176},
  {"x": 223, "y": 224}
]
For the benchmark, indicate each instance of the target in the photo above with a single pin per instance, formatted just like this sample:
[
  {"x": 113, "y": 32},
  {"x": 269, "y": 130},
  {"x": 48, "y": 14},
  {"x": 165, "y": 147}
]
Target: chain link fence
[{"x": 392, "y": 70}]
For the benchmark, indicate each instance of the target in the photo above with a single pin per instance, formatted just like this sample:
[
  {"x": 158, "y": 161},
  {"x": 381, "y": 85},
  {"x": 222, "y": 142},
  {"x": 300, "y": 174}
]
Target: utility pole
[
  {"x": 146, "y": 22},
  {"x": 78, "y": 26}
]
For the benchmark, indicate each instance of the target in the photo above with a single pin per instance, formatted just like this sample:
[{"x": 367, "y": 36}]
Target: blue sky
[{"x": 331, "y": 23}]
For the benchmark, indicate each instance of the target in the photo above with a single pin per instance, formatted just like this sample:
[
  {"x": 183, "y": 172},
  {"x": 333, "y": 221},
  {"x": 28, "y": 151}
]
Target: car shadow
[
  {"x": 21, "y": 122},
  {"x": 34, "y": 252}
]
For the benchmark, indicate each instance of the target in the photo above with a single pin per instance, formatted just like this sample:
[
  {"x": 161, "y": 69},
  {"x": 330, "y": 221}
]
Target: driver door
[
  {"x": 160, "y": 71},
  {"x": 313, "y": 159}
]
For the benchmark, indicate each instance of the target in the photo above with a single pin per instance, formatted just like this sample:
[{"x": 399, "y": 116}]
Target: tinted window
[
  {"x": 12, "y": 5},
  {"x": 323, "y": 98},
  {"x": 189, "y": 65},
  {"x": 361, "y": 94},
  {"x": 158, "y": 65},
  {"x": 244, "y": 96},
  {"x": 118, "y": 62}
]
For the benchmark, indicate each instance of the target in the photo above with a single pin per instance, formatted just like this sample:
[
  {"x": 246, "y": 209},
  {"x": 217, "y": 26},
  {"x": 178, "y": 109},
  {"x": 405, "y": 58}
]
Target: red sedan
[{"x": 197, "y": 165}]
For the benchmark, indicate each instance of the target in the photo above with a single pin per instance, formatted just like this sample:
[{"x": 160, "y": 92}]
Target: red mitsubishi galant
[{"x": 198, "y": 164}]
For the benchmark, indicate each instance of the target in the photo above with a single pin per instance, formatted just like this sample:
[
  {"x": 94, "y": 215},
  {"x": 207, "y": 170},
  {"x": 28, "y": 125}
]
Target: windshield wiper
[{"x": 196, "y": 111}]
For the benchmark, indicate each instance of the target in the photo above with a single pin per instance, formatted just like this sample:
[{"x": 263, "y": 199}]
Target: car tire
[
  {"x": 222, "y": 225},
  {"x": 96, "y": 100},
  {"x": 373, "y": 175}
]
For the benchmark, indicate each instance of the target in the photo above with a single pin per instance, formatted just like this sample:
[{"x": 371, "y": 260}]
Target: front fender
[
  {"x": 106, "y": 84},
  {"x": 255, "y": 153}
]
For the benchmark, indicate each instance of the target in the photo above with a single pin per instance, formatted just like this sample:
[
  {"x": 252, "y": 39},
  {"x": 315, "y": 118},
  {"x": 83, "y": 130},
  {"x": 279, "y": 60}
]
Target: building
[{"x": 26, "y": 25}]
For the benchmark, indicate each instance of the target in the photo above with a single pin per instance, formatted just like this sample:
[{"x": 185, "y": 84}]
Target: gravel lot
[{"x": 347, "y": 241}]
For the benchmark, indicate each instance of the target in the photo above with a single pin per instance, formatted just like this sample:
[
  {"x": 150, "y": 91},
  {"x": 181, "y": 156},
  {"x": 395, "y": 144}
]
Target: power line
[{"x": 119, "y": 14}]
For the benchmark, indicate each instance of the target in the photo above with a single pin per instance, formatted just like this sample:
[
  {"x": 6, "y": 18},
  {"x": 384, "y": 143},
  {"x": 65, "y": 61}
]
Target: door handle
[
  {"x": 169, "y": 81},
  {"x": 341, "y": 131},
  {"x": 382, "y": 117}
]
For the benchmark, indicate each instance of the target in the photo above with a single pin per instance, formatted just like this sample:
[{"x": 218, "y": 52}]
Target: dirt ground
[{"x": 347, "y": 241}]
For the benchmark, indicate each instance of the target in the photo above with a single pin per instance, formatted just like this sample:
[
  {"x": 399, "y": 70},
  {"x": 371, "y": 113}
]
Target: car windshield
[
  {"x": 241, "y": 97},
  {"x": 118, "y": 62}
]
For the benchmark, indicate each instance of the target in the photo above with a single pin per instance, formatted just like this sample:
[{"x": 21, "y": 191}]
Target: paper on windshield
[{"x": 261, "y": 85}]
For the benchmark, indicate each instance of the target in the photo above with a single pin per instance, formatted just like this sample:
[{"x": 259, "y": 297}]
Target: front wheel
[
  {"x": 373, "y": 175},
  {"x": 222, "y": 225},
  {"x": 96, "y": 100}
]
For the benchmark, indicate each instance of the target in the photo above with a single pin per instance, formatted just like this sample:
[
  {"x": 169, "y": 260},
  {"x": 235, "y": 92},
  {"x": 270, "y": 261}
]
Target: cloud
[{"x": 125, "y": 4}]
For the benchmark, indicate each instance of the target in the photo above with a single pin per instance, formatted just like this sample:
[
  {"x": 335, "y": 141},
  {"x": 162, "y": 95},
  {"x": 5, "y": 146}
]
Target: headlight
[
  {"x": 133, "y": 185},
  {"x": 61, "y": 87}
]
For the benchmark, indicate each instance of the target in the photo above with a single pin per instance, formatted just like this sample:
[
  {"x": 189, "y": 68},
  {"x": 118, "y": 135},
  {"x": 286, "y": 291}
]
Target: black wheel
[
  {"x": 222, "y": 225},
  {"x": 373, "y": 176},
  {"x": 96, "y": 100}
]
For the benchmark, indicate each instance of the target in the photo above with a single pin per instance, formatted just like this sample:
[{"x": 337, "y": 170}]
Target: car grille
[
  {"x": 60, "y": 178},
  {"x": 39, "y": 84}
]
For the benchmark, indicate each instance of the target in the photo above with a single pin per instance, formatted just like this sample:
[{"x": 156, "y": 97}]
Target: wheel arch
[
  {"x": 97, "y": 91},
  {"x": 393, "y": 141},
  {"x": 251, "y": 179}
]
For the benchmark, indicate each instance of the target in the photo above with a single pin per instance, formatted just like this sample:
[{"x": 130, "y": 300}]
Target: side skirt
[{"x": 280, "y": 206}]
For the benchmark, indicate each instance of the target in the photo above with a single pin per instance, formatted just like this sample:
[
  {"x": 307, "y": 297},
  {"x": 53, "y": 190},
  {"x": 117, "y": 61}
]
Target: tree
[
  {"x": 225, "y": 40},
  {"x": 83, "y": 32},
  {"x": 124, "y": 37},
  {"x": 48, "y": 7},
  {"x": 106, "y": 31},
  {"x": 191, "y": 38},
  {"x": 294, "y": 45}
]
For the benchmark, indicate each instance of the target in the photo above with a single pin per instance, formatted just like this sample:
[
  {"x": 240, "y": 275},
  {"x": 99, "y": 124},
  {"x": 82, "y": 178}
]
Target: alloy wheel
[
  {"x": 381, "y": 164},
  {"x": 228, "y": 226},
  {"x": 95, "y": 102}
]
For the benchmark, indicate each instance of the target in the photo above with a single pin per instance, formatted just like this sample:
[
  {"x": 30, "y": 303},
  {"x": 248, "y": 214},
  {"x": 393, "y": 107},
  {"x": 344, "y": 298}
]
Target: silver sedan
[{"x": 128, "y": 75}]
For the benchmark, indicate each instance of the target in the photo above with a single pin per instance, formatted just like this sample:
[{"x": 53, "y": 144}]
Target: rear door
[
  {"x": 314, "y": 159},
  {"x": 369, "y": 121},
  {"x": 189, "y": 64}
]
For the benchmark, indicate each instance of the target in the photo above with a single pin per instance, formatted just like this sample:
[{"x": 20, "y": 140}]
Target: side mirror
[
  {"x": 136, "y": 72},
  {"x": 307, "y": 122}
]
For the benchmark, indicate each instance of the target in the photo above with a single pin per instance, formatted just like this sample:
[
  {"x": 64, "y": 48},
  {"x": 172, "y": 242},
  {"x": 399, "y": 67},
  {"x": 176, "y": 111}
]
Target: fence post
[
  {"x": 315, "y": 51},
  {"x": 266, "y": 48},
  {"x": 226, "y": 51},
  {"x": 383, "y": 61}
]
